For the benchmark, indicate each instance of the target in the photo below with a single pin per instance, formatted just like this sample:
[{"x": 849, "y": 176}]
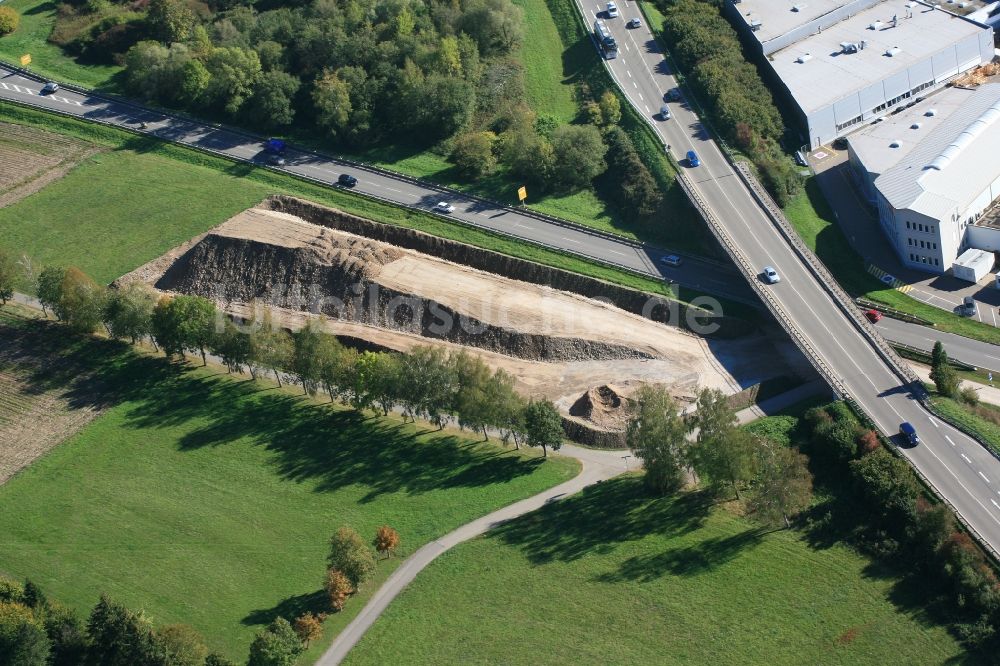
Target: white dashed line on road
[
  {"x": 949, "y": 440},
  {"x": 629, "y": 72},
  {"x": 985, "y": 478},
  {"x": 965, "y": 458},
  {"x": 933, "y": 422},
  {"x": 995, "y": 503},
  {"x": 570, "y": 240}
]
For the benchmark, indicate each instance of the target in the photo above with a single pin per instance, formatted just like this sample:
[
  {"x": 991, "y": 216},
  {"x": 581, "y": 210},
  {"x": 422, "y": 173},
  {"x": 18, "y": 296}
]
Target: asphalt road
[
  {"x": 981, "y": 355},
  {"x": 963, "y": 471}
]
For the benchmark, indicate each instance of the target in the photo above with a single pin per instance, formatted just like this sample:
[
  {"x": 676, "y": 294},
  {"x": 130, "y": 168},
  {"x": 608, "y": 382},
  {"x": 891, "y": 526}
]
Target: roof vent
[
  {"x": 877, "y": 25},
  {"x": 893, "y": 51},
  {"x": 798, "y": 8},
  {"x": 915, "y": 126},
  {"x": 930, "y": 112},
  {"x": 805, "y": 57},
  {"x": 848, "y": 47},
  {"x": 755, "y": 25},
  {"x": 894, "y": 143}
]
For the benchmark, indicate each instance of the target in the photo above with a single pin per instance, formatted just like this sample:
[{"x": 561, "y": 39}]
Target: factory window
[
  {"x": 935, "y": 246},
  {"x": 922, "y": 86},
  {"x": 911, "y": 256},
  {"x": 907, "y": 224},
  {"x": 880, "y": 107},
  {"x": 922, "y": 244},
  {"x": 909, "y": 241},
  {"x": 936, "y": 262},
  {"x": 852, "y": 121}
]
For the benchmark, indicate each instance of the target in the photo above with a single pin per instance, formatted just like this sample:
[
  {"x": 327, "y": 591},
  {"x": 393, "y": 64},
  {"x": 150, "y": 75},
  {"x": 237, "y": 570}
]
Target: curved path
[{"x": 597, "y": 466}]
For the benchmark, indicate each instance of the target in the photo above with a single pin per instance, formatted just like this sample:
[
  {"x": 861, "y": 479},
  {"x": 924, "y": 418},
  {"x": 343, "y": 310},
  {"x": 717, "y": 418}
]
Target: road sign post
[
  {"x": 522, "y": 193},
  {"x": 25, "y": 60}
]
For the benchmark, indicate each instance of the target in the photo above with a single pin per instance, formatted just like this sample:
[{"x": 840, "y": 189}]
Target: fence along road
[
  {"x": 847, "y": 351},
  {"x": 961, "y": 470}
]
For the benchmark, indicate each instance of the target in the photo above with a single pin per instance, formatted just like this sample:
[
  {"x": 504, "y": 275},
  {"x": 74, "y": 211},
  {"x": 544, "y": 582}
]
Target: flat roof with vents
[{"x": 878, "y": 53}]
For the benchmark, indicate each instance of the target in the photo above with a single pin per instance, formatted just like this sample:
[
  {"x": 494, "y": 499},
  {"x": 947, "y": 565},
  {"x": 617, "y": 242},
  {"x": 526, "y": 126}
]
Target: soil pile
[{"x": 604, "y": 406}]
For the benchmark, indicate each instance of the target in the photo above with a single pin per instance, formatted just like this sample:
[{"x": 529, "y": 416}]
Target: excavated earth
[{"x": 557, "y": 344}]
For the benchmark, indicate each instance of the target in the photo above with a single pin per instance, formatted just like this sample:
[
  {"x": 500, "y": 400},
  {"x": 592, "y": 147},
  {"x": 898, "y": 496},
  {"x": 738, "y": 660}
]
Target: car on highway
[
  {"x": 275, "y": 160},
  {"x": 770, "y": 275},
  {"x": 909, "y": 433},
  {"x": 664, "y": 112},
  {"x": 347, "y": 180},
  {"x": 692, "y": 158},
  {"x": 50, "y": 88},
  {"x": 612, "y": 10},
  {"x": 671, "y": 260},
  {"x": 444, "y": 207},
  {"x": 634, "y": 23},
  {"x": 873, "y": 315}
]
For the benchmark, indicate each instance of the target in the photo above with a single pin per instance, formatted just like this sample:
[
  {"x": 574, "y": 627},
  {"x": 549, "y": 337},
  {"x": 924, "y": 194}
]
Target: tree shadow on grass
[
  {"x": 599, "y": 519},
  {"x": 329, "y": 447},
  {"x": 692, "y": 560},
  {"x": 290, "y": 608}
]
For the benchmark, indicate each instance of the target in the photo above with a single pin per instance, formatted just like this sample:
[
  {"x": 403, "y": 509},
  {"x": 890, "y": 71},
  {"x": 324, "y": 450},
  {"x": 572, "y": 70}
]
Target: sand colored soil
[{"x": 663, "y": 354}]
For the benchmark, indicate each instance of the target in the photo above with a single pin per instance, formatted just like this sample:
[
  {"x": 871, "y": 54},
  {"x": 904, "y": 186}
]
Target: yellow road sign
[
  {"x": 25, "y": 60},
  {"x": 522, "y": 193}
]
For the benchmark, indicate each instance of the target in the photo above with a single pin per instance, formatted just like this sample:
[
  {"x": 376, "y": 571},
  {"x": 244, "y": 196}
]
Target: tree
[
  {"x": 543, "y": 426},
  {"x": 33, "y": 597},
  {"x": 350, "y": 555},
  {"x": 49, "y": 289},
  {"x": 270, "y": 348},
  {"x": 611, "y": 108},
  {"x": 270, "y": 105},
  {"x": 331, "y": 98},
  {"x": 9, "y": 20},
  {"x": 306, "y": 361},
  {"x": 234, "y": 74},
  {"x": 81, "y": 301},
  {"x": 386, "y": 541},
  {"x": 23, "y": 641},
  {"x": 233, "y": 346},
  {"x": 8, "y": 274},
  {"x": 128, "y": 311},
  {"x": 338, "y": 588},
  {"x": 169, "y": 20},
  {"x": 384, "y": 382},
  {"x": 784, "y": 485},
  {"x": 166, "y": 327},
  {"x": 68, "y": 635},
  {"x": 579, "y": 155},
  {"x": 119, "y": 636},
  {"x": 470, "y": 399},
  {"x": 427, "y": 384},
  {"x": 277, "y": 645},
  {"x": 529, "y": 155},
  {"x": 721, "y": 452},
  {"x": 472, "y": 153},
  {"x": 331, "y": 356},
  {"x": 195, "y": 318},
  {"x": 183, "y": 645},
  {"x": 308, "y": 628},
  {"x": 943, "y": 375},
  {"x": 655, "y": 433},
  {"x": 216, "y": 659}
]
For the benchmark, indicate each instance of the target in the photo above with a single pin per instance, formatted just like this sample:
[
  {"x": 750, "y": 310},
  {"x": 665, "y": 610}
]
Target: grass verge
[
  {"x": 983, "y": 420},
  {"x": 612, "y": 576},
  {"x": 208, "y": 499},
  {"x": 220, "y": 188},
  {"x": 812, "y": 217}
]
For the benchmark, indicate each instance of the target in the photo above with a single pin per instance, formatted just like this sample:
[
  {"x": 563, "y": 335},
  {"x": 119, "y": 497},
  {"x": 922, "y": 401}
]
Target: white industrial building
[
  {"x": 845, "y": 62},
  {"x": 933, "y": 173}
]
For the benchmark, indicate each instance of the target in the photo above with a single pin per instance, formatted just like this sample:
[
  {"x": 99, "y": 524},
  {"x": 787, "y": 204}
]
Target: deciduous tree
[
  {"x": 81, "y": 301},
  {"x": 721, "y": 453},
  {"x": 543, "y": 426},
  {"x": 386, "y": 541},
  {"x": 579, "y": 155},
  {"x": 183, "y": 645},
  {"x": 8, "y": 276},
  {"x": 655, "y": 433},
  {"x": 942, "y": 374},
  {"x": 783, "y": 486},
  {"x": 308, "y": 628},
  {"x": 49, "y": 288},
  {"x": 350, "y": 555},
  {"x": 338, "y": 588},
  {"x": 277, "y": 645},
  {"x": 9, "y": 20},
  {"x": 128, "y": 311},
  {"x": 472, "y": 153}
]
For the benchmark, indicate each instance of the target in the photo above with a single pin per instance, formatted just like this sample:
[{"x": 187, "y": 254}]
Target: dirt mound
[{"x": 605, "y": 406}]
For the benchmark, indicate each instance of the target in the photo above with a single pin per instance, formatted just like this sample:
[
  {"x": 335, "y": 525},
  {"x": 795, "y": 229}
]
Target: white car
[
  {"x": 444, "y": 207},
  {"x": 50, "y": 88},
  {"x": 612, "y": 10},
  {"x": 665, "y": 112},
  {"x": 771, "y": 276}
]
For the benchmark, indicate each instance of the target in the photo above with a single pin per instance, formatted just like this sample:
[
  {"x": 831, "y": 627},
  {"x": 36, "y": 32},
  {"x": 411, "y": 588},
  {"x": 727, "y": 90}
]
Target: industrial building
[
  {"x": 842, "y": 63},
  {"x": 932, "y": 173}
]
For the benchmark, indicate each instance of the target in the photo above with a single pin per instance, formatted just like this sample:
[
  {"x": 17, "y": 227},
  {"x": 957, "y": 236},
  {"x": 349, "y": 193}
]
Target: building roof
[
  {"x": 953, "y": 163},
  {"x": 817, "y": 73},
  {"x": 971, "y": 257},
  {"x": 779, "y": 17}
]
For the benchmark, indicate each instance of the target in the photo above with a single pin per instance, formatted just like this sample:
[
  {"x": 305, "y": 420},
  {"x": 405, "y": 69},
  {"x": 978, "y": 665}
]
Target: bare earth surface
[
  {"x": 31, "y": 158},
  {"x": 679, "y": 360}
]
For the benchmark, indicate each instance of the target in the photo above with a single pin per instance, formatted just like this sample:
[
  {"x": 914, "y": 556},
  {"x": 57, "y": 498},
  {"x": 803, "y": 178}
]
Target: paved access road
[{"x": 962, "y": 470}]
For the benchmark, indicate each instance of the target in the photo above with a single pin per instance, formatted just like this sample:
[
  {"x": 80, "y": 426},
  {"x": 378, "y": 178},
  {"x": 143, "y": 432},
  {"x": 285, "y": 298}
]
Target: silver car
[
  {"x": 444, "y": 207},
  {"x": 770, "y": 275},
  {"x": 50, "y": 88}
]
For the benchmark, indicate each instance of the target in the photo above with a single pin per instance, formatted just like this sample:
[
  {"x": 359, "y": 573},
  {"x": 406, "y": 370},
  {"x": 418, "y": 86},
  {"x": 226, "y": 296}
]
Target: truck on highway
[{"x": 609, "y": 47}]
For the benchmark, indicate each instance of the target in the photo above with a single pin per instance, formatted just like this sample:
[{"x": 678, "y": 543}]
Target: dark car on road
[
  {"x": 50, "y": 88},
  {"x": 347, "y": 180},
  {"x": 693, "y": 160},
  {"x": 909, "y": 433}
]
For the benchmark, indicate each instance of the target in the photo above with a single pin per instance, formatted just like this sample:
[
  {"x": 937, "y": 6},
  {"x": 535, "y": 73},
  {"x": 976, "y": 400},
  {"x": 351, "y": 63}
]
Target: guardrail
[
  {"x": 389, "y": 173},
  {"x": 823, "y": 275},
  {"x": 893, "y": 312},
  {"x": 765, "y": 295}
]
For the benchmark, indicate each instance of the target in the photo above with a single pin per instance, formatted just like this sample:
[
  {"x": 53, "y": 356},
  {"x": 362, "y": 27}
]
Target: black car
[
  {"x": 347, "y": 180},
  {"x": 276, "y": 160}
]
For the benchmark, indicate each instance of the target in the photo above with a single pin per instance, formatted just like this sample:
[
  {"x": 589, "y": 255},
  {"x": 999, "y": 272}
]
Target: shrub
[
  {"x": 338, "y": 589},
  {"x": 969, "y": 395},
  {"x": 9, "y": 20},
  {"x": 351, "y": 556},
  {"x": 868, "y": 441},
  {"x": 308, "y": 628}
]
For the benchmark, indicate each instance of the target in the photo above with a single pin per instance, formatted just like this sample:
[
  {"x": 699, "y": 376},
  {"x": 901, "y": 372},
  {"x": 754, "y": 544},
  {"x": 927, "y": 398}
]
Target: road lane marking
[
  {"x": 949, "y": 440},
  {"x": 629, "y": 72},
  {"x": 616, "y": 252},
  {"x": 933, "y": 422},
  {"x": 965, "y": 458},
  {"x": 985, "y": 478},
  {"x": 995, "y": 503},
  {"x": 570, "y": 240}
]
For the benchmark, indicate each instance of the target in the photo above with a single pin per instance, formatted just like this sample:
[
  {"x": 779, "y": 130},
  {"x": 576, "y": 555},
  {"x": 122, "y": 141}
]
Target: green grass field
[
  {"x": 37, "y": 19},
  {"x": 209, "y": 500},
  {"x": 549, "y": 69},
  {"x": 812, "y": 217},
  {"x": 611, "y": 576},
  {"x": 121, "y": 230}
]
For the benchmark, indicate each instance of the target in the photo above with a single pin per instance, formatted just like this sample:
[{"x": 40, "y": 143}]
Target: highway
[
  {"x": 965, "y": 473},
  {"x": 962, "y": 470}
]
